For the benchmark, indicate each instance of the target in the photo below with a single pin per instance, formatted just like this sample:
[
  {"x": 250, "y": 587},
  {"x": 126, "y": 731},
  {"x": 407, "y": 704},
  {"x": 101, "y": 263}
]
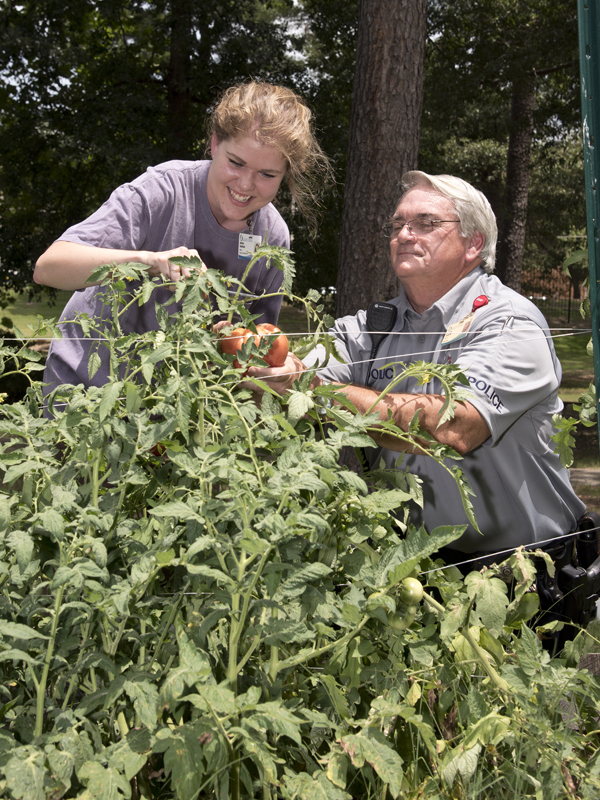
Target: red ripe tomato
[
  {"x": 275, "y": 356},
  {"x": 277, "y": 353},
  {"x": 235, "y": 340}
]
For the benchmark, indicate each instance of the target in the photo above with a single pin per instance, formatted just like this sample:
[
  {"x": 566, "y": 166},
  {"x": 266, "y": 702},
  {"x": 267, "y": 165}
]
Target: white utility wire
[{"x": 529, "y": 547}]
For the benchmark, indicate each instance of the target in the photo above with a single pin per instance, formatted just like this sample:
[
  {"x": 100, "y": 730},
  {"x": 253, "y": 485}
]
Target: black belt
[
  {"x": 588, "y": 548},
  {"x": 479, "y": 559}
]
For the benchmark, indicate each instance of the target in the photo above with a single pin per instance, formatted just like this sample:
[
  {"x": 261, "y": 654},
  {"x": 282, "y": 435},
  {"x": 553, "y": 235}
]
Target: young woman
[{"x": 218, "y": 210}]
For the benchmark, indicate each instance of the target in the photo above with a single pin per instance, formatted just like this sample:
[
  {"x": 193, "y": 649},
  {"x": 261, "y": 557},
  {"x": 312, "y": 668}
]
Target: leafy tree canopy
[
  {"x": 94, "y": 91},
  {"x": 478, "y": 53}
]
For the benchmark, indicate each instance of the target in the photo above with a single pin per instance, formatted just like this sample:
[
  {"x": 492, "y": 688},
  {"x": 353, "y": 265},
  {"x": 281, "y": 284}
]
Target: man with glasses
[{"x": 453, "y": 310}]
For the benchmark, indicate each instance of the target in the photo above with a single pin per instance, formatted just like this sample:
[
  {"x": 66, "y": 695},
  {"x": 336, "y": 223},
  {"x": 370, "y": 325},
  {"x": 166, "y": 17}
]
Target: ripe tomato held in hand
[
  {"x": 277, "y": 353},
  {"x": 235, "y": 340}
]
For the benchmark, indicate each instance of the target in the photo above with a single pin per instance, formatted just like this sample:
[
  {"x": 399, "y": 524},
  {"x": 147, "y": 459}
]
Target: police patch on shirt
[
  {"x": 485, "y": 388},
  {"x": 385, "y": 373}
]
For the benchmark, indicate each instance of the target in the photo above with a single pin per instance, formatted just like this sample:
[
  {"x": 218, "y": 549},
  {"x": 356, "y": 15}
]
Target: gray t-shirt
[
  {"x": 165, "y": 208},
  {"x": 522, "y": 492}
]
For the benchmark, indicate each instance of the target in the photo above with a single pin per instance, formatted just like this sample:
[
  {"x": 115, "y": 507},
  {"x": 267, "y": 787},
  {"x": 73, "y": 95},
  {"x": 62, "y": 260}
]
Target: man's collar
[
  {"x": 453, "y": 300},
  {"x": 446, "y": 305}
]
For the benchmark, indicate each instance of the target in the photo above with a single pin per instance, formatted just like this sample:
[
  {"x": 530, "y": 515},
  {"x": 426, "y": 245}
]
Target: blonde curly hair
[{"x": 278, "y": 118}]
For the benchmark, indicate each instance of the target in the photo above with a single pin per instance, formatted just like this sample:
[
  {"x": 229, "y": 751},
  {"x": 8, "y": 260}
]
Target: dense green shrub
[{"x": 198, "y": 601}]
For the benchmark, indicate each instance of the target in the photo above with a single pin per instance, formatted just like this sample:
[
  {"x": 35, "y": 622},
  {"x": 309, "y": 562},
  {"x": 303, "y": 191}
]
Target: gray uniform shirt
[
  {"x": 522, "y": 492},
  {"x": 165, "y": 208}
]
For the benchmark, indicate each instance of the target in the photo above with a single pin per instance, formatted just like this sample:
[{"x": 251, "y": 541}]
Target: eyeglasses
[{"x": 418, "y": 226}]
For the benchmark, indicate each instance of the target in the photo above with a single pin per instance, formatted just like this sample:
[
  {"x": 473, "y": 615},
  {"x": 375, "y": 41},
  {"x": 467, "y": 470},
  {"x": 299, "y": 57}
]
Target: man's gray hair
[{"x": 472, "y": 208}]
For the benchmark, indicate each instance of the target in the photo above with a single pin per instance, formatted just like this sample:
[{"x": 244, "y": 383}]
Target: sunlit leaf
[{"x": 371, "y": 746}]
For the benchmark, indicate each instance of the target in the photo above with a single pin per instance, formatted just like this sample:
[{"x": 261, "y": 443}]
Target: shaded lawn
[
  {"x": 23, "y": 313},
  {"x": 577, "y": 365}
]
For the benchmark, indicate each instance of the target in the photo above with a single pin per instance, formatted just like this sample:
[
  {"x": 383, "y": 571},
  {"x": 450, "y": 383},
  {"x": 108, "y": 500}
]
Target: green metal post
[{"x": 589, "y": 65}]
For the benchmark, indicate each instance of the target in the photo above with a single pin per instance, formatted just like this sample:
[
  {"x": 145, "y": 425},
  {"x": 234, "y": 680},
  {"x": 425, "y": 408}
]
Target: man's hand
[
  {"x": 465, "y": 431},
  {"x": 280, "y": 379}
]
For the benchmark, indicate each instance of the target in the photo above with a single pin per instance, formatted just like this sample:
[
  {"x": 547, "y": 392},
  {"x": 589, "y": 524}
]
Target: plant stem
[
  {"x": 433, "y": 603},
  {"x": 304, "y": 658},
  {"x": 41, "y": 689},
  {"x": 116, "y": 515},
  {"x": 274, "y": 659},
  {"x": 248, "y": 433},
  {"x": 219, "y": 725},
  {"x": 170, "y": 619},
  {"x": 238, "y": 616},
  {"x": 482, "y": 657},
  {"x": 84, "y": 636},
  {"x": 251, "y": 263},
  {"x": 95, "y": 479},
  {"x": 120, "y": 632},
  {"x": 234, "y": 780},
  {"x": 253, "y": 645},
  {"x": 232, "y": 668},
  {"x": 142, "y": 656},
  {"x": 201, "y": 418}
]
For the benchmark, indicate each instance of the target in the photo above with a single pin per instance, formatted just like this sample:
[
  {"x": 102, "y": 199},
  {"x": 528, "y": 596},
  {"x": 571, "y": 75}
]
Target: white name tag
[
  {"x": 247, "y": 245},
  {"x": 458, "y": 330}
]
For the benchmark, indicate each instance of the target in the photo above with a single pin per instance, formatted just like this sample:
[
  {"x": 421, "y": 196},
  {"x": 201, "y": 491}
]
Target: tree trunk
[
  {"x": 384, "y": 143},
  {"x": 512, "y": 238},
  {"x": 179, "y": 96}
]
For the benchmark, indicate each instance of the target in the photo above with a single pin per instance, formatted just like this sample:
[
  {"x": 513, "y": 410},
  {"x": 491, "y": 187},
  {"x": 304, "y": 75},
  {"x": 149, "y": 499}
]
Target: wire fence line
[
  {"x": 307, "y": 334},
  {"x": 542, "y": 333},
  {"x": 553, "y": 292}
]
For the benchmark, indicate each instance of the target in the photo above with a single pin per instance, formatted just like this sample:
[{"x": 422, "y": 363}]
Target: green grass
[
  {"x": 23, "y": 313},
  {"x": 292, "y": 320},
  {"x": 577, "y": 364}
]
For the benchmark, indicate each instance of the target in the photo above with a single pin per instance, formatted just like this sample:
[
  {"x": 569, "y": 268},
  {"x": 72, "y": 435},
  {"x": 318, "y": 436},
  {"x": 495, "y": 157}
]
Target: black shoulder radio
[{"x": 381, "y": 318}]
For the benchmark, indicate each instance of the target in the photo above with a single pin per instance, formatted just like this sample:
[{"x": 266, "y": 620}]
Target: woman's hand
[
  {"x": 68, "y": 265},
  {"x": 160, "y": 265}
]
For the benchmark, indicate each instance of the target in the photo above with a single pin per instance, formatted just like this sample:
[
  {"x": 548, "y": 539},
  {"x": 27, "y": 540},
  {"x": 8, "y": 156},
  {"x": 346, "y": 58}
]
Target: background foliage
[{"x": 94, "y": 91}]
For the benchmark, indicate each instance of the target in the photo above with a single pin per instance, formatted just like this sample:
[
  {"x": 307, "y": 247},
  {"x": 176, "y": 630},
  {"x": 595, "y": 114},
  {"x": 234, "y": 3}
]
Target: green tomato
[
  {"x": 411, "y": 592},
  {"x": 402, "y": 621}
]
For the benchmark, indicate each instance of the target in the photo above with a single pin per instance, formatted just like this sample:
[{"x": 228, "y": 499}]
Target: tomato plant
[
  {"x": 411, "y": 591},
  {"x": 224, "y": 623},
  {"x": 403, "y": 619},
  {"x": 232, "y": 342}
]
